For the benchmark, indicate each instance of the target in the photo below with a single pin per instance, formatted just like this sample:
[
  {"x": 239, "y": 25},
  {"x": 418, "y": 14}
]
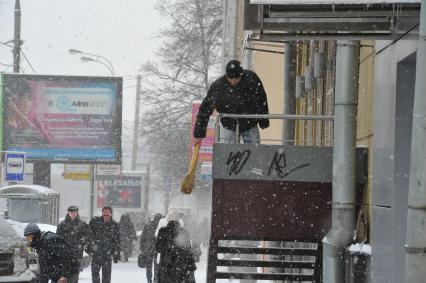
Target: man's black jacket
[
  {"x": 106, "y": 236},
  {"x": 248, "y": 97},
  {"x": 55, "y": 257},
  {"x": 76, "y": 234}
]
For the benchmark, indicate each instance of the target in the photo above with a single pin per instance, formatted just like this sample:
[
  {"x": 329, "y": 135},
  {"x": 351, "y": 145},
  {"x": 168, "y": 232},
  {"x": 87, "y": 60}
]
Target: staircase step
[
  {"x": 255, "y": 263},
  {"x": 264, "y": 276},
  {"x": 271, "y": 251}
]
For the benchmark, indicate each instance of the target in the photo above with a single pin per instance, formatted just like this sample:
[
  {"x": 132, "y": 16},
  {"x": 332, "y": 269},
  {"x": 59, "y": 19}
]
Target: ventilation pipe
[
  {"x": 309, "y": 78},
  {"x": 300, "y": 87},
  {"x": 289, "y": 91},
  {"x": 247, "y": 52},
  {"x": 343, "y": 200},
  {"x": 319, "y": 64},
  {"x": 415, "y": 248}
]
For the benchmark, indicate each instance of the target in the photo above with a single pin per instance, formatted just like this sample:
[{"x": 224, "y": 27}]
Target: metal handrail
[{"x": 263, "y": 116}]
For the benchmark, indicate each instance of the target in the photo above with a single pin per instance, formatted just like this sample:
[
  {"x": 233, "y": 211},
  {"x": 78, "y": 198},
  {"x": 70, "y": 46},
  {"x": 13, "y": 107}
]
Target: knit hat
[
  {"x": 73, "y": 208},
  {"x": 31, "y": 229},
  {"x": 234, "y": 69}
]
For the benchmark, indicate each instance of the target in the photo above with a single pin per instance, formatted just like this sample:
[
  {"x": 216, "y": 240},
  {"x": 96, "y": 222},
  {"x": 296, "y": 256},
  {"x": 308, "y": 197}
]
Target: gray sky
[{"x": 123, "y": 31}]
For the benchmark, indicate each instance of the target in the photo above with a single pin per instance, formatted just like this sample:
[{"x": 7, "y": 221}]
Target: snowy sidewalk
[{"x": 129, "y": 272}]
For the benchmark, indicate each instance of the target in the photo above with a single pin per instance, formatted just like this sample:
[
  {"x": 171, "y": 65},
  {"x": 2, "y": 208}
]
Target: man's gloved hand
[{"x": 116, "y": 257}]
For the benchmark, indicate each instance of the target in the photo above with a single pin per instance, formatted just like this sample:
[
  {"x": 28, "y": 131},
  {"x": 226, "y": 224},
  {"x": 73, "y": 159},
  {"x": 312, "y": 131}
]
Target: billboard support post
[
  {"x": 92, "y": 190},
  {"x": 42, "y": 173},
  {"x": 148, "y": 169}
]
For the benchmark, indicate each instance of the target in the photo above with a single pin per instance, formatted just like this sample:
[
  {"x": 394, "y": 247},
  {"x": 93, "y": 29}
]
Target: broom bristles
[{"x": 188, "y": 181}]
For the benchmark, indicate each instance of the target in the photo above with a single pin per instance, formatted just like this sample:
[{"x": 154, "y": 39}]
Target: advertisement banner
[
  {"x": 60, "y": 118},
  {"x": 120, "y": 191},
  {"x": 1, "y": 111},
  {"x": 206, "y": 150},
  {"x": 206, "y": 171}
]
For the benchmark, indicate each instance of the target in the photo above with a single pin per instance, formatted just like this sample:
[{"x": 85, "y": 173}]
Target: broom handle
[{"x": 194, "y": 159}]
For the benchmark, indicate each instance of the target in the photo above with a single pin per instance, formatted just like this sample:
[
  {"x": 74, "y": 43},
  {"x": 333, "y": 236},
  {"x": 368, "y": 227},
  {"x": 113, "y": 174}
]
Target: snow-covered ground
[{"x": 129, "y": 272}]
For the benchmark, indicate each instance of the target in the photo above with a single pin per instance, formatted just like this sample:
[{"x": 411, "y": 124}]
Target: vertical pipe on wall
[
  {"x": 289, "y": 92},
  {"x": 230, "y": 21},
  {"x": 415, "y": 248},
  {"x": 343, "y": 205}
]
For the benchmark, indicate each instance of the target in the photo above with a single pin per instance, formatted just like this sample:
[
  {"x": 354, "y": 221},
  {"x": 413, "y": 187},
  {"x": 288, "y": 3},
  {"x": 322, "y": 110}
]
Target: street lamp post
[{"x": 98, "y": 59}]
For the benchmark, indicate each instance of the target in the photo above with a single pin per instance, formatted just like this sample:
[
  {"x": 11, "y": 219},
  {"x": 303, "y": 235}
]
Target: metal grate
[{"x": 6, "y": 263}]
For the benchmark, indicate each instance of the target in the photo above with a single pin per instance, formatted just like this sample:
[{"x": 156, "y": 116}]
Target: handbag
[{"x": 141, "y": 261}]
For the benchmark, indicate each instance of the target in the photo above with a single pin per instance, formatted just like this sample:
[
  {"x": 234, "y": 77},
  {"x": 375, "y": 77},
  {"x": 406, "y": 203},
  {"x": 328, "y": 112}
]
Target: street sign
[
  {"x": 108, "y": 170},
  {"x": 77, "y": 171},
  {"x": 15, "y": 167}
]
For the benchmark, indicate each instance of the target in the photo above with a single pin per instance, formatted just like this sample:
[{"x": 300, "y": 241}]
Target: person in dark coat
[
  {"x": 176, "y": 258},
  {"x": 56, "y": 260},
  {"x": 75, "y": 232},
  {"x": 127, "y": 235},
  {"x": 237, "y": 92},
  {"x": 147, "y": 246},
  {"x": 106, "y": 245}
]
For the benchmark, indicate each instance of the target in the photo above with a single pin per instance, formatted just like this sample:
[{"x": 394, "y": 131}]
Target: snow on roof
[
  {"x": 20, "y": 226},
  {"x": 7, "y": 233},
  {"x": 333, "y": 2},
  {"x": 360, "y": 249},
  {"x": 26, "y": 189}
]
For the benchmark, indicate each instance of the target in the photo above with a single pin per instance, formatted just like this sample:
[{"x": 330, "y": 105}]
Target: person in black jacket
[
  {"x": 237, "y": 92},
  {"x": 75, "y": 232},
  {"x": 147, "y": 246},
  {"x": 127, "y": 235},
  {"x": 106, "y": 244},
  {"x": 176, "y": 258},
  {"x": 56, "y": 260}
]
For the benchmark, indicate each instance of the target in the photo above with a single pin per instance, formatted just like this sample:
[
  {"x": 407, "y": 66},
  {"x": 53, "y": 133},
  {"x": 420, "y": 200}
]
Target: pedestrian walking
[
  {"x": 106, "y": 245},
  {"x": 56, "y": 260},
  {"x": 76, "y": 234},
  {"x": 237, "y": 92},
  {"x": 147, "y": 246},
  {"x": 127, "y": 236},
  {"x": 174, "y": 246}
]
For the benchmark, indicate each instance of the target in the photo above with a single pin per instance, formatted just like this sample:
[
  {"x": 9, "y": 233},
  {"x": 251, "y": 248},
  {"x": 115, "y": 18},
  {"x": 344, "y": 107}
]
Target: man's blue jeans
[{"x": 250, "y": 136}]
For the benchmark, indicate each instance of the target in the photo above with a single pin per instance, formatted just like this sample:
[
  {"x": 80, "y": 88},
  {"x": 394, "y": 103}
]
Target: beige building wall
[{"x": 270, "y": 69}]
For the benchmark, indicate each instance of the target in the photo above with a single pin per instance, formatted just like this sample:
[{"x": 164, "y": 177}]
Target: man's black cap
[
  {"x": 73, "y": 208},
  {"x": 234, "y": 69}
]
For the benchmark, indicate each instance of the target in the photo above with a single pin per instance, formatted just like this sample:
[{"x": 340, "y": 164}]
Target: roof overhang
[
  {"x": 333, "y": 2},
  {"x": 276, "y": 20}
]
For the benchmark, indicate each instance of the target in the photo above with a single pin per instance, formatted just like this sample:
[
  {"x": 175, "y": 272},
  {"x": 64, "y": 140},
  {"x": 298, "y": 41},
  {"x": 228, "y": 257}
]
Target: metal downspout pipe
[
  {"x": 415, "y": 247},
  {"x": 343, "y": 200},
  {"x": 289, "y": 92}
]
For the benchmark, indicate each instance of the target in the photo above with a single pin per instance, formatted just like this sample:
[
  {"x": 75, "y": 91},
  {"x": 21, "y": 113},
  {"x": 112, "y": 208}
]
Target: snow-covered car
[
  {"x": 19, "y": 228},
  {"x": 14, "y": 256}
]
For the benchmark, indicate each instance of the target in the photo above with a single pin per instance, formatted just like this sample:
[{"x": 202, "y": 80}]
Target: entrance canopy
[
  {"x": 280, "y": 20},
  {"x": 328, "y": 2}
]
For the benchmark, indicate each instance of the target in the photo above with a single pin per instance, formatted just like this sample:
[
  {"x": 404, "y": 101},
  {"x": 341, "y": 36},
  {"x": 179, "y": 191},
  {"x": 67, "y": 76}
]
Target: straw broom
[{"x": 188, "y": 182}]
